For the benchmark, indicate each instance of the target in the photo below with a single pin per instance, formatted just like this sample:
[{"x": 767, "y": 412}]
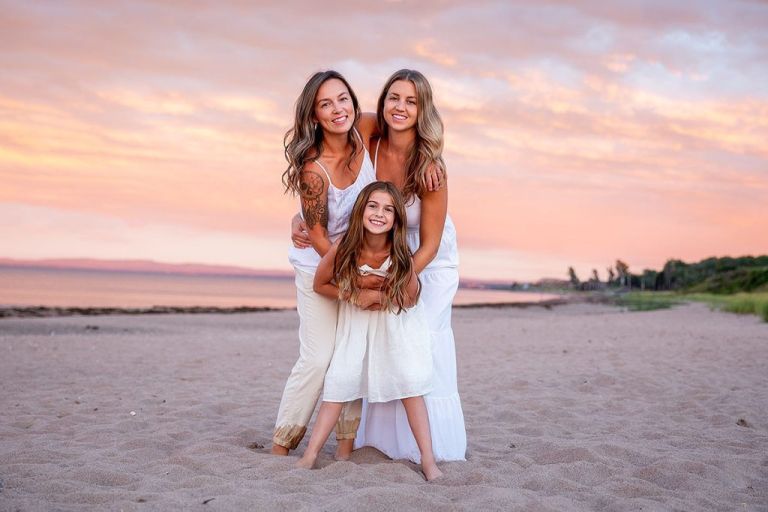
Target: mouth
[
  {"x": 377, "y": 222},
  {"x": 399, "y": 117},
  {"x": 340, "y": 120}
]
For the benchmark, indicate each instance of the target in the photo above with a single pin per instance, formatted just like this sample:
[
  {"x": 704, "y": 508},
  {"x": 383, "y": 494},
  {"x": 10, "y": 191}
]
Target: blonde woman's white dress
[{"x": 385, "y": 425}]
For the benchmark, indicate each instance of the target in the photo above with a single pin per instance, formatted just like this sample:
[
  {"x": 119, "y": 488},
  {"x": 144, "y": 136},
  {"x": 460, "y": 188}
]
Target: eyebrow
[
  {"x": 328, "y": 99},
  {"x": 407, "y": 97},
  {"x": 376, "y": 203}
]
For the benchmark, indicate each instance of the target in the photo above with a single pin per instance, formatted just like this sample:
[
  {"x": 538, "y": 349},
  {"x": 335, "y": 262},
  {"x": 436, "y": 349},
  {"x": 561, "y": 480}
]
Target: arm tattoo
[{"x": 314, "y": 199}]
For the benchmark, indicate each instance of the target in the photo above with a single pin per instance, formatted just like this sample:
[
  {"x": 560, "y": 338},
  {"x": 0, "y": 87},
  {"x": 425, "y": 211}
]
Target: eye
[
  {"x": 411, "y": 102},
  {"x": 344, "y": 99},
  {"x": 390, "y": 209}
]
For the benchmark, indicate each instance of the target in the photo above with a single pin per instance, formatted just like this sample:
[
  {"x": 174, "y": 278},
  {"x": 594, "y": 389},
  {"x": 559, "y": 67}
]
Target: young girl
[{"x": 383, "y": 350}]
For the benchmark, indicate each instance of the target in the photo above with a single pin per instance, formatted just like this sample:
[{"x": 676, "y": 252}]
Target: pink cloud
[{"x": 587, "y": 130}]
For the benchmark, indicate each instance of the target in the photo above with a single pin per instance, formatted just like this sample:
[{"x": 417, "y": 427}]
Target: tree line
[{"x": 711, "y": 275}]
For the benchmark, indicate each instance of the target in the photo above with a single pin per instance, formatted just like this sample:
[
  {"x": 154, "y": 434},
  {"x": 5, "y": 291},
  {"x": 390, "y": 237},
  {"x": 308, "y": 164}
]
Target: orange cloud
[{"x": 593, "y": 132}]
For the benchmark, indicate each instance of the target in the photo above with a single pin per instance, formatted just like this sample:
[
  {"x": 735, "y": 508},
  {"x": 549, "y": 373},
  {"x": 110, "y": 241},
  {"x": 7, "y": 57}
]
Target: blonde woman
[{"x": 407, "y": 153}]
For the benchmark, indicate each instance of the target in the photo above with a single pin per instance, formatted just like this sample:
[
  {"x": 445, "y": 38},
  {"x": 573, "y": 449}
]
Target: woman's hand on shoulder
[
  {"x": 435, "y": 178},
  {"x": 368, "y": 127}
]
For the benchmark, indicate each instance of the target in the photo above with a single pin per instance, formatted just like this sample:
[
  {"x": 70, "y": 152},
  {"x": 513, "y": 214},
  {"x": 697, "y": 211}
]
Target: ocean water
[{"x": 98, "y": 288}]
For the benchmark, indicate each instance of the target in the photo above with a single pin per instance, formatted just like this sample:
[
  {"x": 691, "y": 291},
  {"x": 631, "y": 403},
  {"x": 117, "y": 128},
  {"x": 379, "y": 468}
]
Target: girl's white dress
[
  {"x": 379, "y": 355},
  {"x": 385, "y": 425}
]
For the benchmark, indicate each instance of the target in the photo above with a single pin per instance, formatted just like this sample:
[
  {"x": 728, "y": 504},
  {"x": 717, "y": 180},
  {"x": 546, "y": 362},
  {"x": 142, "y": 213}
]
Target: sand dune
[{"x": 579, "y": 407}]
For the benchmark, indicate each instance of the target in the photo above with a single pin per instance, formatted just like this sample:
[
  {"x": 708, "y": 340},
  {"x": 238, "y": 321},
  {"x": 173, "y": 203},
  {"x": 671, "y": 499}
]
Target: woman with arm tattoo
[{"x": 328, "y": 165}]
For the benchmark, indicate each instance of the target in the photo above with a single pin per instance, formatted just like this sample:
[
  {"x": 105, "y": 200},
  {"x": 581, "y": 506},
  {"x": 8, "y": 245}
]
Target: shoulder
[{"x": 313, "y": 180}]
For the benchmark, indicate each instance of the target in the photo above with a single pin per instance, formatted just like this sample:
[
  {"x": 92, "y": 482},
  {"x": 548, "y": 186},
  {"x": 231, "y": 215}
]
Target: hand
[
  {"x": 367, "y": 298},
  {"x": 435, "y": 178},
  {"x": 299, "y": 234},
  {"x": 370, "y": 282}
]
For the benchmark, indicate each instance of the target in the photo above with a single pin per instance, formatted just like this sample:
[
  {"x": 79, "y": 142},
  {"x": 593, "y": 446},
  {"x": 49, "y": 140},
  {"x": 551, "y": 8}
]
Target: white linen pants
[{"x": 317, "y": 335}]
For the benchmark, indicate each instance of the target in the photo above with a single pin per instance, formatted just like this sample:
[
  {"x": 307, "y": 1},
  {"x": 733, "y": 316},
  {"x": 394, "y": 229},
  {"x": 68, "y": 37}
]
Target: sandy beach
[{"x": 575, "y": 407}]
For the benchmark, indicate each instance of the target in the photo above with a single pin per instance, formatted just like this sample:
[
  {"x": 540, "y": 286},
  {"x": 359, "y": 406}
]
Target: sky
[{"x": 577, "y": 132}]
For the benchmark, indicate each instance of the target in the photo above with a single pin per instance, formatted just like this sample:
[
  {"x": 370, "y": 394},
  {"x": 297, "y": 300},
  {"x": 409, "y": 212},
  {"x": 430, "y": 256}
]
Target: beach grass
[
  {"x": 755, "y": 303},
  {"x": 647, "y": 301}
]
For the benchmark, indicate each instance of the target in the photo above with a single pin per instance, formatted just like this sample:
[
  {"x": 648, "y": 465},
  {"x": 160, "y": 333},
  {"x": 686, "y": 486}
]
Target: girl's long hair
[
  {"x": 428, "y": 147},
  {"x": 345, "y": 267},
  {"x": 304, "y": 141}
]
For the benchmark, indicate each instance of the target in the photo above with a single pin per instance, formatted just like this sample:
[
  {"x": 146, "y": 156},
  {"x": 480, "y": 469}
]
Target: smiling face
[
  {"x": 379, "y": 213},
  {"x": 400, "y": 106},
  {"x": 334, "y": 109}
]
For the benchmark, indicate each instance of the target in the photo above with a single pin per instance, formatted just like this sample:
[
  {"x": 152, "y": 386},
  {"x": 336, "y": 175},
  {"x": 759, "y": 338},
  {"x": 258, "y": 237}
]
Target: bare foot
[
  {"x": 278, "y": 450},
  {"x": 306, "y": 462},
  {"x": 344, "y": 449},
  {"x": 431, "y": 471}
]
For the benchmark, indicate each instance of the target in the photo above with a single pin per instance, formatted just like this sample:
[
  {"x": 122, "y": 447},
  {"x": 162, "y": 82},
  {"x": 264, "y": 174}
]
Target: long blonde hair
[
  {"x": 428, "y": 147},
  {"x": 345, "y": 266},
  {"x": 304, "y": 141}
]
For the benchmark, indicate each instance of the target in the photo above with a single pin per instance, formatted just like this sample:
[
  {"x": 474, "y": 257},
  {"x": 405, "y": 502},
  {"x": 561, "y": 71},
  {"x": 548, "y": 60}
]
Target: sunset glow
[{"x": 576, "y": 132}]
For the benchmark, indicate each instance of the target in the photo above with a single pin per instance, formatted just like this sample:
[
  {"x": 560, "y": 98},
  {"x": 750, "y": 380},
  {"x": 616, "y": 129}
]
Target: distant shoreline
[
  {"x": 48, "y": 311},
  {"x": 51, "y": 312}
]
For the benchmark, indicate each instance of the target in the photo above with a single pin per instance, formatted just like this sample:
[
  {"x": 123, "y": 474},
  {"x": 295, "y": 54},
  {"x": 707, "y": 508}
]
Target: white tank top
[
  {"x": 340, "y": 203},
  {"x": 447, "y": 254}
]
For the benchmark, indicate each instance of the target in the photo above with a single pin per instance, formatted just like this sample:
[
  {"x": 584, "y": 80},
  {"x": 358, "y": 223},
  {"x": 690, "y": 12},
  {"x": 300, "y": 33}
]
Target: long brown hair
[
  {"x": 428, "y": 147},
  {"x": 304, "y": 141},
  {"x": 345, "y": 267}
]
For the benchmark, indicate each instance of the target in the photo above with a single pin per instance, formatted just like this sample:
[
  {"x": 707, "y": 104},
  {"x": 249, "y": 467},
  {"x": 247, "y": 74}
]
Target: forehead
[
  {"x": 403, "y": 88},
  {"x": 331, "y": 88},
  {"x": 380, "y": 197}
]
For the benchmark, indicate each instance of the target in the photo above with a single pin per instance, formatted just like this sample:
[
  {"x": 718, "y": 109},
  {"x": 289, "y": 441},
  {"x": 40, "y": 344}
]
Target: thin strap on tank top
[
  {"x": 376, "y": 156},
  {"x": 360, "y": 138},
  {"x": 317, "y": 161}
]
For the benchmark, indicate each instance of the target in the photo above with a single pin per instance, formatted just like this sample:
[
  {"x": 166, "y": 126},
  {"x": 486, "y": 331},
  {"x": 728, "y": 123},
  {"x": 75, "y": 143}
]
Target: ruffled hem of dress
[{"x": 446, "y": 423}]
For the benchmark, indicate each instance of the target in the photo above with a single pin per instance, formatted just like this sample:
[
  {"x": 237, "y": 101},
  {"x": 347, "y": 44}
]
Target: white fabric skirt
[
  {"x": 380, "y": 356},
  {"x": 385, "y": 425}
]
